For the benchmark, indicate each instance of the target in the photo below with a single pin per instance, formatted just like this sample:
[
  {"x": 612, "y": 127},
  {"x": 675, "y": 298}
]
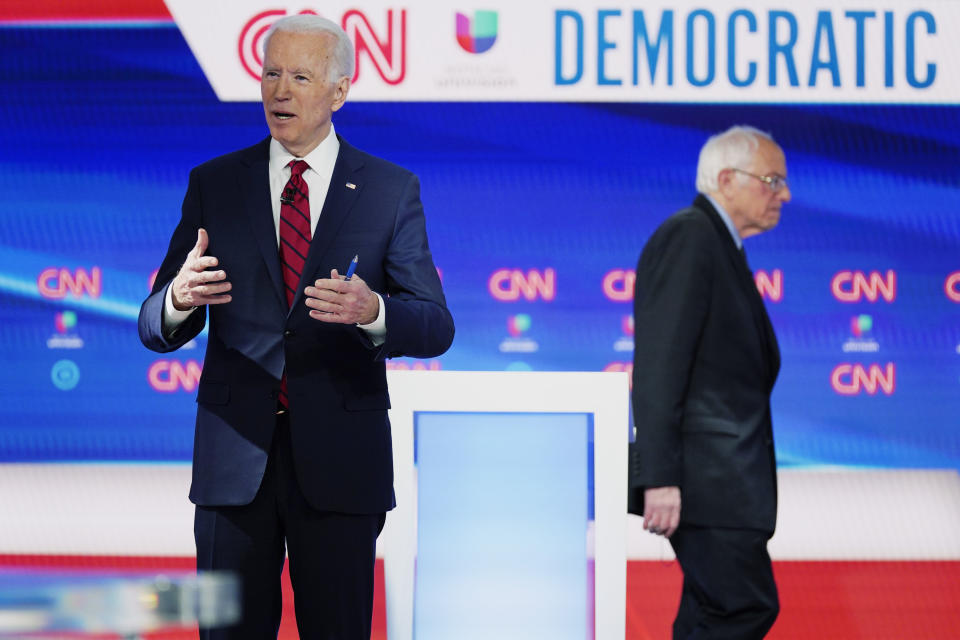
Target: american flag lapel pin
[{"x": 350, "y": 185}]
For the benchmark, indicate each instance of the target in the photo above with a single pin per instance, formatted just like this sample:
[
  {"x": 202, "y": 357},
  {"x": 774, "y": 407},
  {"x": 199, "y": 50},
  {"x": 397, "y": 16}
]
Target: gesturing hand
[
  {"x": 336, "y": 299},
  {"x": 194, "y": 285}
]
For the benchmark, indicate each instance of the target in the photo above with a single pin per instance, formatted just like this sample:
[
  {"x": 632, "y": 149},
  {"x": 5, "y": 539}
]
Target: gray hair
[
  {"x": 343, "y": 59},
  {"x": 732, "y": 149}
]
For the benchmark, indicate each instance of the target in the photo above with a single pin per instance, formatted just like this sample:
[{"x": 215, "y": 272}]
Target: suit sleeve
[
  {"x": 419, "y": 324},
  {"x": 150, "y": 322},
  {"x": 671, "y": 301}
]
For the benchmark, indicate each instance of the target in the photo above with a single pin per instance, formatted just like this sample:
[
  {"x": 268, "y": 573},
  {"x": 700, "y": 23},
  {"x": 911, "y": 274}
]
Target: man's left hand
[
  {"x": 661, "y": 510},
  {"x": 336, "y": 299}
]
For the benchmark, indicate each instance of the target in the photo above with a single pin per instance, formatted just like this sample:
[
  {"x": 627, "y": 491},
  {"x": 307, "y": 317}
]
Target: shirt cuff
[
  {"x": 377, "y": 330},
  {"x": 173, "y": 317}
]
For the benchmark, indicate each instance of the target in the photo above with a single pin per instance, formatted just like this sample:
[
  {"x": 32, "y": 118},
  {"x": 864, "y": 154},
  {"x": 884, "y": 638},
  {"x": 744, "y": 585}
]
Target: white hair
[
  {"x": 732, "y": 149},
  {"x": 343, "y": 59}
]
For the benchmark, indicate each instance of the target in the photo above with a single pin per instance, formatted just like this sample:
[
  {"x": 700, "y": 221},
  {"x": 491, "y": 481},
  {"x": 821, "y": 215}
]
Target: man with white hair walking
[
  {"x": 292, "y": 450},
  {"x": 702, "y": 469}
]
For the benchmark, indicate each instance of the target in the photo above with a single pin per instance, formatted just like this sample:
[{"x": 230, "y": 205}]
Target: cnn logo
[
  {"x": 853, "y": 379},
  {"x": 387, "y": 53},
  {"x": 618, "y": 285},
  {"x": 172, "y": 375},
  {"x": 509, "y": 285},
  {"x": 400, "y": 365},
  {"x": 952, "y": 286},
  {"x": 770, "y": 285},
  {"x": 620, "y": 366},
  {"x": 56, "y": 283},
  {"x": 854, "y": 286}
]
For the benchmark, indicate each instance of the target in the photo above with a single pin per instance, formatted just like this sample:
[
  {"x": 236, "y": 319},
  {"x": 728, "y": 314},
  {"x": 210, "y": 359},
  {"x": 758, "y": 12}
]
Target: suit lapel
[
  {"x": 765, "y": 333},
  {"x": 254, "y": 180},
  {"x": 336, "y": 207}
]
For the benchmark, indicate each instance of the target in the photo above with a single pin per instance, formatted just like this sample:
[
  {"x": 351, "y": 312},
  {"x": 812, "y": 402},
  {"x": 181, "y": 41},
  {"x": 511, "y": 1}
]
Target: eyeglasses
[{"x": 775, "y": 183}]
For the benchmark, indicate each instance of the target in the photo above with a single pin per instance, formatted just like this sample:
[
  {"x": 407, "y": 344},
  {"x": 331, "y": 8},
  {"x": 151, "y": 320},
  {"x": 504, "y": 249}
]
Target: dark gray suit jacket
[{"x": 705, "y": 362}]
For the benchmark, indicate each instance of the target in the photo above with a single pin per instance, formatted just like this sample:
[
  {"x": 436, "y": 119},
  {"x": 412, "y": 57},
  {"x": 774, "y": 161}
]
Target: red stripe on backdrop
[
  {"x": 919, "y": 600},
  {"x": 69, "y": 10},
  {"x": 114, "y": 564}
]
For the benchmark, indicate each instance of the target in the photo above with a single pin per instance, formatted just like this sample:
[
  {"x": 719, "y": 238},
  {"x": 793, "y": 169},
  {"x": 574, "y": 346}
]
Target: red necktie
[
  {"x": 294, "y": 227},
  {"x": 294, "y": 237}
]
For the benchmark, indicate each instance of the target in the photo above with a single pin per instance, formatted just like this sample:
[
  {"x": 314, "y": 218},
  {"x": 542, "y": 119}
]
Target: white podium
[{"x": 515, "y": 486}]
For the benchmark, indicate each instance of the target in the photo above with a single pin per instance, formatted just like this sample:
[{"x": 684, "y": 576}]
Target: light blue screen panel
[{"x": 501, "y": 526}]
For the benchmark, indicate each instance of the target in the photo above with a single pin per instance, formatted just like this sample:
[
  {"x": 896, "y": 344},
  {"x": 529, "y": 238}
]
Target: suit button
[{"x": 289, "y": 333}]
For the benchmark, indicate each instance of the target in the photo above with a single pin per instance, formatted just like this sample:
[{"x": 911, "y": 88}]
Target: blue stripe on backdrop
[{"x": 101, "y": 126}]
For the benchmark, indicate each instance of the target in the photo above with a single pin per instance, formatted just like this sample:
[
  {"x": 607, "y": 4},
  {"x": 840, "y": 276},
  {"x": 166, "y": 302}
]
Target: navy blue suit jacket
[
  {"x": 336, "y": 378},
  {"x": 705, "y": 361}
]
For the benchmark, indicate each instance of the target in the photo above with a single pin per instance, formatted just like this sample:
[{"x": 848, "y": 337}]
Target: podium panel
[
  {"x": 511, "y": 505},
  {"x": 502, "y": 515}
]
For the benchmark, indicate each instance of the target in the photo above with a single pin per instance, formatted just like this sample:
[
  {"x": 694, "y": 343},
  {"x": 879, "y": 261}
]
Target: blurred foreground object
[{"x": 79, "y": 602}]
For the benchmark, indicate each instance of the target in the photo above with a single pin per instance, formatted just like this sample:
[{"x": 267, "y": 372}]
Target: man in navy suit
[
  {"x": 292, "y": 447},
  {"x": 702, "y": 469}
]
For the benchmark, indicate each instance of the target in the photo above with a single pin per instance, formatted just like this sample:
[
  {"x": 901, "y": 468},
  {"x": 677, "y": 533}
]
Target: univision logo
[
  {"x": 517, "y": 342},
  {"x": 862, "y": 342},
  {"x": 65, "y": 322},
  {"x": 479, "y": 34}
]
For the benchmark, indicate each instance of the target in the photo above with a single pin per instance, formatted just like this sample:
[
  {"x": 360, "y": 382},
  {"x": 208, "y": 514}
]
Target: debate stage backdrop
[{"x": 536, "y": 208}]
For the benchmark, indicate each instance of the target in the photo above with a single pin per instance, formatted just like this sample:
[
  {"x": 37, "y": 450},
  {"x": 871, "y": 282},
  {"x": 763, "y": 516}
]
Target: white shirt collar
[
  {"x": 320, "y": 160},
  {"x": 737, "y": 240}
]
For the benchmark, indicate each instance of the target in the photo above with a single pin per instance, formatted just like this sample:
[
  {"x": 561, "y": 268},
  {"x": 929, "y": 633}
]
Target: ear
[
  {"x": 725, "y": 180},
  {"x": 340, "y": 93}
]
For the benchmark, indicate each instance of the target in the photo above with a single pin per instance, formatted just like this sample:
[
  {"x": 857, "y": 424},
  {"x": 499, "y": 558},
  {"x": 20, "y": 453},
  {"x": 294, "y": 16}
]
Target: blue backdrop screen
[{"x": 536, "y": 213}]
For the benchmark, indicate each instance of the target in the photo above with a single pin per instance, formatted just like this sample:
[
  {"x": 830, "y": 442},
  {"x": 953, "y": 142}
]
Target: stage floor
[{"x": 857, "y": 554}]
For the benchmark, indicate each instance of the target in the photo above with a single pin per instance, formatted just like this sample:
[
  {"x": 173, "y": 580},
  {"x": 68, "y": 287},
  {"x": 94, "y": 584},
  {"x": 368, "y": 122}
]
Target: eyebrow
[{"x": 304, "y": 72}]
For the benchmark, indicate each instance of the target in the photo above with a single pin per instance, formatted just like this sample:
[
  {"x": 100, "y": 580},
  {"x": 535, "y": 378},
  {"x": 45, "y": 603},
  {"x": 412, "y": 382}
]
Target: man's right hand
[
  {"x": 661, "y": 510},
  {"x": 194, "y": 285}
]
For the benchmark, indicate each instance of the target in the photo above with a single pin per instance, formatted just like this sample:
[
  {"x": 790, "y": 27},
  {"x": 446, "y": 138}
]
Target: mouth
[{"x": 283, "y": 115}]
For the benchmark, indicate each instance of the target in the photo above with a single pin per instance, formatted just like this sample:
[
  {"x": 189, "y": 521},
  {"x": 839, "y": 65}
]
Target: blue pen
[{"x": 352, "y": 267}]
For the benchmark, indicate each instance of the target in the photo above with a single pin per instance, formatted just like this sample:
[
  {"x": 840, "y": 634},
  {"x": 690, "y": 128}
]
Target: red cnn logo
[
  {"x": 851, "y": 379},
  {"x": 395, "y": 365},
  {"x": 952, "y": 286},
  {"x": 56, "y": 282},
  {"x": 172, "y": 375},
  {"x": 770, "y": 285},
  {"x": 388, "y": 55},
  {"x": 507, "y": 285},
  {"x": 618, "y": 285},
  {"x": 854, "y": 286},
  {"x": 620, "y": 366}
]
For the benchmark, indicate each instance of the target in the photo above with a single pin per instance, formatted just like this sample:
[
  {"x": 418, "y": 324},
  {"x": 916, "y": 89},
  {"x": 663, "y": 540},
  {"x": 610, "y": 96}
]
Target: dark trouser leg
[
  {"x": 332, "y": 558},
  {"x": 247, "y": 540},
  {"x": 331, "y": 567},
  {"x": 687, "y": 614},
  {"x": 729, "y": 590}
]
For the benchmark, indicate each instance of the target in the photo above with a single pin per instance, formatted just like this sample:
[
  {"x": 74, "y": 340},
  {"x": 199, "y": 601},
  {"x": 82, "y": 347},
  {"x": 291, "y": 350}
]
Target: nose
[
  {"x": 784, "y": 194},
  {"x": 283, "y": 87}
]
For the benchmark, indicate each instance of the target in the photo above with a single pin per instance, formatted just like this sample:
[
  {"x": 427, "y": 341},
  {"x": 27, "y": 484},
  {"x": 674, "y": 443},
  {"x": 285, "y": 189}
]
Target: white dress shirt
[{"x": 321, "y": 162}]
